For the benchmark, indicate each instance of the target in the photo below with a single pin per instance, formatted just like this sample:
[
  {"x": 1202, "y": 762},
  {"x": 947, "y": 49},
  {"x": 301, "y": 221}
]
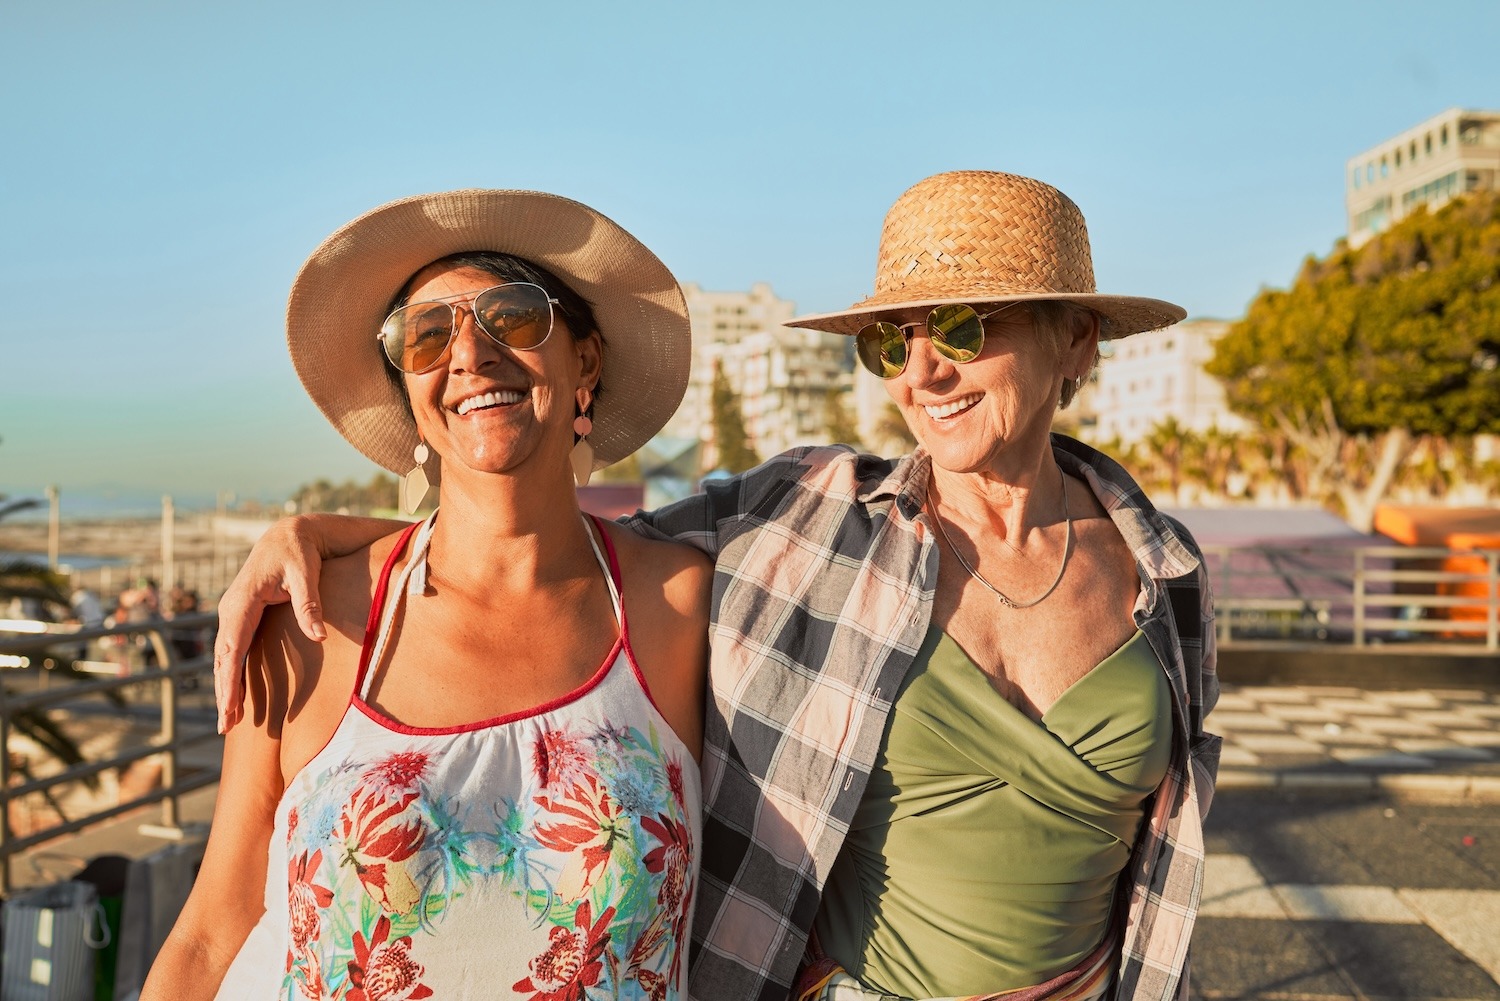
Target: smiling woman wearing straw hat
[
  {"x": 483, "y": 781},
  {"x": 955, "y": 743}
]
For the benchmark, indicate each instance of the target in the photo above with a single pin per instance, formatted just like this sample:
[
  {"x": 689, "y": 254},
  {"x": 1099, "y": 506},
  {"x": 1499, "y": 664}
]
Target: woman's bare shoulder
[
  {"x": 667, "y": 591},
  {"x": 679, "y": 571},
  {"x": 348, "y": 583},
  {"x": 286, "y": 666}
]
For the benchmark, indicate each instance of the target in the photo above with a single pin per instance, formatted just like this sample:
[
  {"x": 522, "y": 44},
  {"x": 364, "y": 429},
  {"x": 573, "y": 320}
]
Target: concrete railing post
[
  {"x": 1492, "y": 640},
  {"x": 170, "y": 815},
  {"x": 5, "y": 832},
  {"x": 1359, "y": 598},
  {"x": 1226, "y": 619}
]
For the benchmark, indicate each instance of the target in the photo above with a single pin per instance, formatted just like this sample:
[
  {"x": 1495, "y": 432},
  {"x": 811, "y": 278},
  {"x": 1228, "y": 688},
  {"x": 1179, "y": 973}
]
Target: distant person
[
  {"x": 187, "y": 644},
  {"x": 87, "y": 608},
  {"x": 484, "y": 782},
  {"x": 955, "y": 746}
]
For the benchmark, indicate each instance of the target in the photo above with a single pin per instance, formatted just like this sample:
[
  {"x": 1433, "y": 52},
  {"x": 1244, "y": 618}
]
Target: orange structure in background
[{"x": 1472, "y": 528}]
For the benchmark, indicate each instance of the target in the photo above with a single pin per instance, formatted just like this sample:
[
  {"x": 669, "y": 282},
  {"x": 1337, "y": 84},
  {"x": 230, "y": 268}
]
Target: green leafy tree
[
  {"x": 1167, "y": 450},
  {"x": 731, "y": 441},
  {"x": 627, "y": 470},
  {"x": 838, "y": 421},
  {"x": 349, "y": 497},
  {"x": 1371, "y": 349}
]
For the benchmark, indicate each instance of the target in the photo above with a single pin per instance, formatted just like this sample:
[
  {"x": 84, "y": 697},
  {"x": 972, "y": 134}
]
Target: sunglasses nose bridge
[
  {"x": 466, "y": 346},
  {"x": 922, "y": 357}
]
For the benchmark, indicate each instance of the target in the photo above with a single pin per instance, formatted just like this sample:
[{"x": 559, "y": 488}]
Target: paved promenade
[
  {"x": 1438, "y": 744},
  {"x": 1354, "y": 846}
]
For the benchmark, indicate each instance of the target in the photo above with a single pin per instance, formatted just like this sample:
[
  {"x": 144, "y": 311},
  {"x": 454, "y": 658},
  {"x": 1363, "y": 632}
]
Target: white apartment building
[
  {"x": 781, "y": 374},
  {"x": 1447, "y": 155},
  {"x": 1146, "y": 378}
]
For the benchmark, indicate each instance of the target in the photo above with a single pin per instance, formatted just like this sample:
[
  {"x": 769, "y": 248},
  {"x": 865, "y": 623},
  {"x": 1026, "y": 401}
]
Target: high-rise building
[
  {"x": 781, "y": 374},
  {"x": 1147, "y": 378},
  {"x": 1449, "y": 154}
]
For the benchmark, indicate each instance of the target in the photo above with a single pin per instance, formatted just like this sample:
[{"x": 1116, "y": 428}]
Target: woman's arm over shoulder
[
  {"x": 228, "y": 895},
  {"x": 706, "y": 519},
  {"x": 282, "y": 568},
  {"x": 667, "y": 591}
]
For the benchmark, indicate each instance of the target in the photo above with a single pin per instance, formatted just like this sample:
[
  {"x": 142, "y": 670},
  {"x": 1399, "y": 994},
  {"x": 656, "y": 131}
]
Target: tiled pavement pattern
[
  {"x": 1311, "y": 897},
  {"x": 1438, "y": 743},
  {"x": 1468, "y": 920}
]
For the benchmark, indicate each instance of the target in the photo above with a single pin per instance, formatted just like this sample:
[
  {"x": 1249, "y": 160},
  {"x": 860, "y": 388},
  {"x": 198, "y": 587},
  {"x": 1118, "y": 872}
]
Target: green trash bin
[{"x": 107, "y": 874}]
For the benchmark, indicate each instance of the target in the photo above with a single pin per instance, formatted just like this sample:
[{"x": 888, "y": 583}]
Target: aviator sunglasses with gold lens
[
  {"x": 956, "y": 332},
  {"x": 517, "y": 314}
]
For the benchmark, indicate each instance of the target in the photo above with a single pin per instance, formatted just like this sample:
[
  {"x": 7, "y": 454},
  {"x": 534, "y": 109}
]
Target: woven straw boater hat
[
  {"x": 344, "y": 292},
  {"x": 979, "y": 236}
]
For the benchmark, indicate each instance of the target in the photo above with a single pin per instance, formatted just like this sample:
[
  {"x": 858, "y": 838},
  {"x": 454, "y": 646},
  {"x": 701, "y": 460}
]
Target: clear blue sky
[{"x": 168, "y": 165}]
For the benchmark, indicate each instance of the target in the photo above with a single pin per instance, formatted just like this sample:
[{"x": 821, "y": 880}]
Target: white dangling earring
[
  {"x": 583, "y": 452},
  {"x": 414, "y": 484}
]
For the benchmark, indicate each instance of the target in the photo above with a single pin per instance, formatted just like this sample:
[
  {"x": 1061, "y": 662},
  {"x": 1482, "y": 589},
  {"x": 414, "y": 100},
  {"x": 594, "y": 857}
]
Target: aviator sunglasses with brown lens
[
  {"x": 956, "y": 332},
  {"x": 416, "y": 337}
]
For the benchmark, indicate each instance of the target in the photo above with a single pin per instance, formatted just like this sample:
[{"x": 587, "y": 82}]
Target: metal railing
[
  {"x": 1358, "y": 597},
  {"x": 163, "y": 672},
  {"x": 207, "y": 575}
]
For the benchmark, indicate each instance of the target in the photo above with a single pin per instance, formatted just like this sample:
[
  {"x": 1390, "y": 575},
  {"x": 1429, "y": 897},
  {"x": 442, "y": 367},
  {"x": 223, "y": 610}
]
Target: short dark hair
[{"x": 510, "y": 268}]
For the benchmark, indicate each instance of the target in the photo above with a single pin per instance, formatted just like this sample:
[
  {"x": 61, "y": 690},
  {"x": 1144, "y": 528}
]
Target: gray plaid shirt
[{"x": 823, "y": 587}]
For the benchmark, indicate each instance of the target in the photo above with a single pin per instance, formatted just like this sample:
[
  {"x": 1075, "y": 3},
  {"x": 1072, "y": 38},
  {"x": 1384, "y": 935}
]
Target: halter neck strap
[{"x": 413, "y": 580}]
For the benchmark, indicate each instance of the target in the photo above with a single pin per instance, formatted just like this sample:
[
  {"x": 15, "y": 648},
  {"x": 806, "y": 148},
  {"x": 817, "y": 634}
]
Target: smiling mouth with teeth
[
  {"x": 485, "y": 400},
  {"x": 952, "y": 407}
]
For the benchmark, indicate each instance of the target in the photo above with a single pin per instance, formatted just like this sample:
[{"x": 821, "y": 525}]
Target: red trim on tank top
[
  {"x": 614, "y": 572},
  {"x": 376, "y": 716},
  {"x": 377, "y": 607},
  {"x": 377, "y": 602}
]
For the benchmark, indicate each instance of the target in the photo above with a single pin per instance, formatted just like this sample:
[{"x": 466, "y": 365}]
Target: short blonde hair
[{"x": 1057, "y": 319}]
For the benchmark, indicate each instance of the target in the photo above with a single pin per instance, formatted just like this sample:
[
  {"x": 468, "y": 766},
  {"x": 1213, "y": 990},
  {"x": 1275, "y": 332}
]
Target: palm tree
[
  {"x": 27, "y": 579},
  {"x": 24, "y": 578}
]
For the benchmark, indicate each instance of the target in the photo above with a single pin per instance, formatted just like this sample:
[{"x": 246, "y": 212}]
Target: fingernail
[{"x": 319, "y": 633}]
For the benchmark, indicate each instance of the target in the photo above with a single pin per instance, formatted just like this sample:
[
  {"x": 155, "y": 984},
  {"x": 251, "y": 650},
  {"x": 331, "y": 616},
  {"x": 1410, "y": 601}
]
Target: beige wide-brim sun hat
[
  {"x": 344, "y": 291},
  {"x": 980, "y": 236}
]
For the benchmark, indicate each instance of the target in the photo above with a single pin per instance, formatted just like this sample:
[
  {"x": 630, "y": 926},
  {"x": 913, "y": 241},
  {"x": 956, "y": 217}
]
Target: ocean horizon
[
  {"x": 100, "y": 503},
  {"x": 75, "y": 561}
]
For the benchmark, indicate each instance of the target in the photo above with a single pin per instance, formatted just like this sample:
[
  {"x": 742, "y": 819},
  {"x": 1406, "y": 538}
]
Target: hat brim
[
  {"x": 1120, "y": 315},
  {"x": 344, "y": 290}
]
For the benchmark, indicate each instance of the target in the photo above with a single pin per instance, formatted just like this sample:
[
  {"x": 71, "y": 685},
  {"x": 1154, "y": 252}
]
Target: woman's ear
[
  {"x": 591, "y": 360},
  {"x": 1083, "y": 343}
]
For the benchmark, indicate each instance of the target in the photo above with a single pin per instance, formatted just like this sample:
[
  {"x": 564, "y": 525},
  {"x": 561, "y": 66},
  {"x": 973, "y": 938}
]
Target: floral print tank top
[{"x": 550, "y": 854}]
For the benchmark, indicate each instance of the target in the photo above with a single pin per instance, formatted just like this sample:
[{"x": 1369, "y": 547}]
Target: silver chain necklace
[{"x": 1005, "y": 599}]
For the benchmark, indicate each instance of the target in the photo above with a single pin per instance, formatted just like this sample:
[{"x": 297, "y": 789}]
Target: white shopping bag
[{"x": 51, "y": 934}]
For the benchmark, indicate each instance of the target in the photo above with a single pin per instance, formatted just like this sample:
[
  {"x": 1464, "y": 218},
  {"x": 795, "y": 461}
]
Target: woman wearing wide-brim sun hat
[
  {"x": 957, "y": 741},
  {"x": 484, "y": 779},
  {"x": 1033, "y": 822}
]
